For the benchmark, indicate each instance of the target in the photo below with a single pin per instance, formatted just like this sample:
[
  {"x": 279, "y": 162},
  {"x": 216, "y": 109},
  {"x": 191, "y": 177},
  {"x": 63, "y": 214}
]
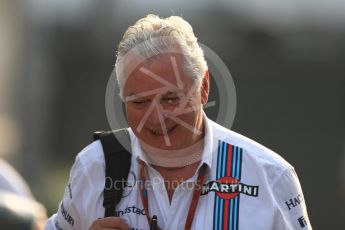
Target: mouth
[{"x": 159, "y": 132}]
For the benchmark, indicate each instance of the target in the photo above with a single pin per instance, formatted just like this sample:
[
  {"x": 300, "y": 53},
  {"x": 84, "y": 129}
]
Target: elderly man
[{"x": 193, "y": 173}]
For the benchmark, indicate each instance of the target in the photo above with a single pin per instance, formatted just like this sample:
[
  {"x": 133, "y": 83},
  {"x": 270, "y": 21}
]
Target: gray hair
[{"x": 152, "y": 36}]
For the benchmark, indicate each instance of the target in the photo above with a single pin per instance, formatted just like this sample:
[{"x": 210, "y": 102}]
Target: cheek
[
  {"x": 195, "y": 104},
  {"x": 193, "y": 116},
  {"x": 133, "y": 117},
  {"x": 189, "y": 117}
]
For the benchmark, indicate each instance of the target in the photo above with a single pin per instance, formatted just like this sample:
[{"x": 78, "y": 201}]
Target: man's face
[{"x": 164, "y": 105}]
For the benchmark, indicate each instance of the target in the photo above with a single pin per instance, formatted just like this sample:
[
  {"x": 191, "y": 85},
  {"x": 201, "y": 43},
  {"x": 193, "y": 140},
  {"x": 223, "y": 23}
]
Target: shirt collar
[{"x": 208, "y": 143}]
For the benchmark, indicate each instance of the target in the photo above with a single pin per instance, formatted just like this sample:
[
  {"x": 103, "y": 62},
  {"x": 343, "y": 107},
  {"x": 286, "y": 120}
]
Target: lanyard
[{"x": 195, "y": 198}]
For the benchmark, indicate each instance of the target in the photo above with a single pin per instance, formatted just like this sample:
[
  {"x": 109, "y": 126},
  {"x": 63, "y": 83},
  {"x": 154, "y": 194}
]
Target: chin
[{"x": 159, "y": 142}]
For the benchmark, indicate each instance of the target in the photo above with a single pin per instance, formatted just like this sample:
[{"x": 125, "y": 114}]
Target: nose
[{"x": 156, "y": 116}]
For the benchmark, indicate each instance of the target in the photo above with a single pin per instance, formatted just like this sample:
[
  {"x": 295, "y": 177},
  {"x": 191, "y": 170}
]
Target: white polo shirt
[{"x": 247, "y": 186}]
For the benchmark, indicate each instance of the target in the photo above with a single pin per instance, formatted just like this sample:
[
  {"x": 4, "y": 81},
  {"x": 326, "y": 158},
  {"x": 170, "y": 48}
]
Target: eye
[
  {"x": 139, "y": 102},
  {"x": 171, "y": 100}
]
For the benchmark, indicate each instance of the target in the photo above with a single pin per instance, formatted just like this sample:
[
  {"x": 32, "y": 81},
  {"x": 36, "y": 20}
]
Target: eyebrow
[
  {"x": 172, "y": 92},
  {"x": 133, "y": 96}
]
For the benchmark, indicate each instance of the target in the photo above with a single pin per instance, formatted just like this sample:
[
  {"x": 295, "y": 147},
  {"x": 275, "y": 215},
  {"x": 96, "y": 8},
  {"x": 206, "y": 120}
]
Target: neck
[
  {"x": 177, "y": 173},
  {"x": 173, "y": 177}
]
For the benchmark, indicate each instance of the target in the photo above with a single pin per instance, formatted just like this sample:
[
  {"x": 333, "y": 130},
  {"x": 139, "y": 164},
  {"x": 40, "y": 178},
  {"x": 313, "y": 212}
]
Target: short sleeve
[
  {"x": 70, "y": 212},
  {"x": 291, "y": 203}
]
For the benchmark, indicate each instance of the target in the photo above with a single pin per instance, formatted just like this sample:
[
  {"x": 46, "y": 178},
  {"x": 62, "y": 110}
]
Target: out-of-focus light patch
[
  {"x": 22, "y": 206},
  {"x": 9, "y": 135},
  {"x": 9, "y": 46}
]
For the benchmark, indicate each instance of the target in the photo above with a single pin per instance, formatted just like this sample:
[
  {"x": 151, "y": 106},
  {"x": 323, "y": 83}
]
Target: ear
[{"x": 205, "y": 88}]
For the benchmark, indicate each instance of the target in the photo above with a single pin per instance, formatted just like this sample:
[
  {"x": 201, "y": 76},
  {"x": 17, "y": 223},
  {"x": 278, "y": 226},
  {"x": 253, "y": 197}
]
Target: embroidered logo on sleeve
[
  {"x": 57, "y": 225},
  {"x": 302, "y": 222},
  {"x": 294, "y": 201},
  {"x": 69, "y": 190},
  {"x": 66, "y": 215}
]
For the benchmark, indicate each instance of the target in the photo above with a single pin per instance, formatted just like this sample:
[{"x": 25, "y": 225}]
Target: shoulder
[
  {"x": 91, "y": 157},
  {"x": 254, "y": 153},
  {"x": 89, "y": 167},
  {"x": 83, "y": 190}
]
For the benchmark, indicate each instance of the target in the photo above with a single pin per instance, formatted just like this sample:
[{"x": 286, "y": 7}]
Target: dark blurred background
[{"x": 286, "y": 57}]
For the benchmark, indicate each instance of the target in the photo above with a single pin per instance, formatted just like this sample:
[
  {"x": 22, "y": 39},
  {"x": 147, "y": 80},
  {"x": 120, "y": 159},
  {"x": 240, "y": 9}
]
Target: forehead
[{"x": 162, "y": 73}]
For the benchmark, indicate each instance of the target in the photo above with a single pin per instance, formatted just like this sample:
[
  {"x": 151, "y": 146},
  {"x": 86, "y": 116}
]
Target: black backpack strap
[{"x": 117, "y": 165}]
